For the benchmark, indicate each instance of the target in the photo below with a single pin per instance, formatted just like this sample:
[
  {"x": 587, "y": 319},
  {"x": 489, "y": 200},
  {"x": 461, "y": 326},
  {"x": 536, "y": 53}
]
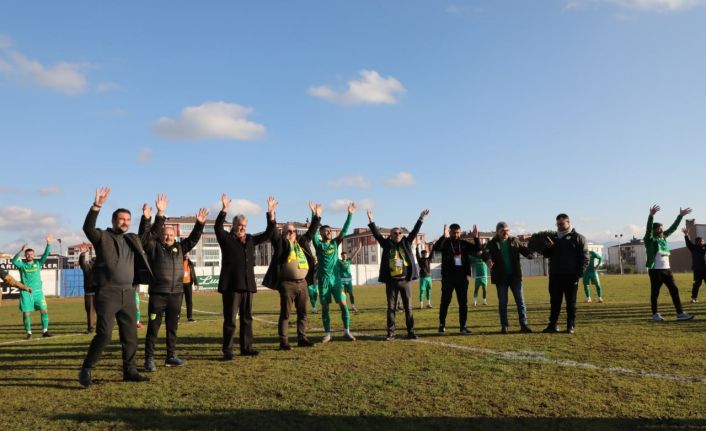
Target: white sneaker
[
  {"x": 355, "y": 310},
  {"x": 694, "y": 300},
  {"x": 475, "y": 303},
  {"x": 347, "y": 334},
  {"x": 314, "y": 310},
  {"x": 657, "y": 317},
  {"x": 485, "y": 302},
  {"x": 588, "y": 300},
  {"x": 600, "y": 300},
  {"x": 421, "y": 305},
  {"x": 684, "y": 316},
  {"x": 237, "y": 316},
  {"x": 429, "y": 305},
  {"x": 327, "y": 337}
]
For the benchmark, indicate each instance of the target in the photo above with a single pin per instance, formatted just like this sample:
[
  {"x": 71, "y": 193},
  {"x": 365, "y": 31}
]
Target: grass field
[{"x": 619, "y": 371}]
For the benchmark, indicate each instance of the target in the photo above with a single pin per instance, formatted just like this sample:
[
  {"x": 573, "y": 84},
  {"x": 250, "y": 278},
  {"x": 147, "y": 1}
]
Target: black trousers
[
  {"x": 169, "y": 305},
  {"x": 658, "y": 277},
  {"x": 396, "y": 289},
  {"x": 188, "y": 291},
  {"x": 563, "y": 286},
  {"x": 448, "y": 287},
  {"x": 241, "y": 302},
  {"x": 292, "y": 291},
  {"x": 699, "y": 276},
  {"x": 114, "y": 304},
  {"x": 89, "y": 305}
]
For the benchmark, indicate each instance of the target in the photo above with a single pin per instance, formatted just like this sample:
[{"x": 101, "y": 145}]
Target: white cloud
[
  {"x": 145, "y": 155},
  {"x": 243, "y": 206},
  {"x": 50, "y": 190},
  {"x": 107, "y": 87},
  {"x": 64, "y": 77},
  {"x": 402, "y": 179},
  {"x": 341, "y": 205},
  {"x": 211, "y": 120},
  {"x": 19, "y": 225},
  {"x": 640, "y": 5},
  {"x": 371, "y": 88},
  {"x": 356, "y": 181}
]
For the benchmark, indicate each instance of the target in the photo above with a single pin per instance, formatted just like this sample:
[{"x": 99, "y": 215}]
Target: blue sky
[{"x": 480, "y": 110}]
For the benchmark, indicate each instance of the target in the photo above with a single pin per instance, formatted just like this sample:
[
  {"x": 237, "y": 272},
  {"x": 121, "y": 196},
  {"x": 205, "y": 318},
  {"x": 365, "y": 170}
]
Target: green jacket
[
  {"x": 592, "y": 255},
  {"x": 653, "y": 243},
  {"x": 30, "y": 272}
]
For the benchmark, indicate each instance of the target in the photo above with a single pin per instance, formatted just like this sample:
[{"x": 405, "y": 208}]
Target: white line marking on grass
[
  {"x": 533, "y": 357},
  {"x": 40, "y": 338}
]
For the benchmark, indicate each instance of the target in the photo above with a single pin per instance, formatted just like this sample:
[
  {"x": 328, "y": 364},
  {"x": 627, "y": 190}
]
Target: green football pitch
[{"x": 619, "y": 371}]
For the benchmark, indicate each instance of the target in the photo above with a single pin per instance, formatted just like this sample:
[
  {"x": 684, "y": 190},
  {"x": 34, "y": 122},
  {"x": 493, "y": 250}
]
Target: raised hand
[
  {"x": 424, "y": 214},
  {"x": 161, "y": 204},
  {"x": 686, "y": 231},
  {"x": 50, "y": 238},
  {"x": 352, "y": 207},
  {"x": 446, "y": 231},
  {"x": 685, "y": 211},
  {"x": 102, "y": 194},
  {"x": 225, "y": 202},
  {"x": 370, "y": 216},
  {"x": 654, "y": 209},
  {"x": 312, "y": 207},
  {"x": 24, "y": 246},
  {"x": 318, "y": 209},
  {"x": 146, "y": 211},
  {"x": 474, "y": 232},
  {"x": 271, "y": 204},
  {"x": 201, "y": 215}
]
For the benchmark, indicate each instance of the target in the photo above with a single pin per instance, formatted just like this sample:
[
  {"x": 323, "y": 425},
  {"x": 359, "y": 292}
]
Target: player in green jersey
[{"x": 30, "y": 275}]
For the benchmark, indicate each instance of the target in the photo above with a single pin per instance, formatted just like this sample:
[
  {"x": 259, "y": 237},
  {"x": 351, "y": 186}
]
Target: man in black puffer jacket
[
  {"x": 166, "y": 257},
  {"x": 568, "y": 259}
]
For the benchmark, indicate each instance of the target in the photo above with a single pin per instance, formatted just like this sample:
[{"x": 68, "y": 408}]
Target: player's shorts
[
  {"x": 330, "y": 290},
  {"x": 590, "y": 277},
  {"x": 482, "y": 281},
  {"x": 425, "y": 283},
  {"x": 347, "y": 284},
  {"x": 32, "y": 301}
]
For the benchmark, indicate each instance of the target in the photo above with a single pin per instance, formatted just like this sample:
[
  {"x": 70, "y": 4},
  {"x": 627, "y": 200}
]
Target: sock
[
  {"x": 137, "y": 305},
  {"x": 45, "y": 321},
  {"x": 599, "y": 289},
  {"x": 27, "y": 322},
  {"x": 484, "y": 293},
  {"x": 588, "y": 291},
  {"x": 325, "y": 318},
  {"x": 345, "y": 316}
]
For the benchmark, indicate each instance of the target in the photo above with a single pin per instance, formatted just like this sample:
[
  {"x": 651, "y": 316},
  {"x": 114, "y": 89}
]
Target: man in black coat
[
  {"x": 166, "y": 257},
  {"x": 188, "y": 283},
  {"x": 291, "y": 270},
  {"x": 698, "y": 262},
  {"x": 397, "y": 269},
  {"x": 236, "y": 283},
  {"x": 568, "y": 259},
  {"x": 455, "y": 269},
  {"x": 120, "y": 263}
]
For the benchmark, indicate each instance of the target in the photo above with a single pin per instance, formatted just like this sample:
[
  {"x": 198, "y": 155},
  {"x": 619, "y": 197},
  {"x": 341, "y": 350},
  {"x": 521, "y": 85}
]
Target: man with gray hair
[
  {"x": 166, "y": 257},
  {"x": 502, "y": 254},
  {"x": 397, "y": 269},
  {"x": 236, "y": 282}
]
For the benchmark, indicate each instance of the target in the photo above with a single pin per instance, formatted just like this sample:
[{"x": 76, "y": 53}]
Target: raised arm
[
  {"x": 374, "y": 229},
  {"x": 439, "y": 244},
  {"x": 675, "y": 225},
  {"x": 650, "y": 220},
  {"x": 221, "y": 234},
  {"x": 17, "y": 260},
  {"x": 89, "y": 225},
  {"x": 315, "y": 221},
  {"x": 195, "y": 235},
  {"x": 42, "y": 260},
  {"x": 417, "y": 226},
  {"x": 267, "y": 234},
  {"x": 344, "y": 231}
]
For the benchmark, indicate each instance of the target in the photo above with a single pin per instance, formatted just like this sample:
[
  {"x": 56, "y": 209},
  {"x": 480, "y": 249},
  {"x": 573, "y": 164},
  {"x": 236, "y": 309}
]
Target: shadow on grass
[{"x": 246, "y": 419}]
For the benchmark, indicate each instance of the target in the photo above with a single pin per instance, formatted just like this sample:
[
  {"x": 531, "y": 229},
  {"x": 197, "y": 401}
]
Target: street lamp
[{"x": 619, "y": 237}]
